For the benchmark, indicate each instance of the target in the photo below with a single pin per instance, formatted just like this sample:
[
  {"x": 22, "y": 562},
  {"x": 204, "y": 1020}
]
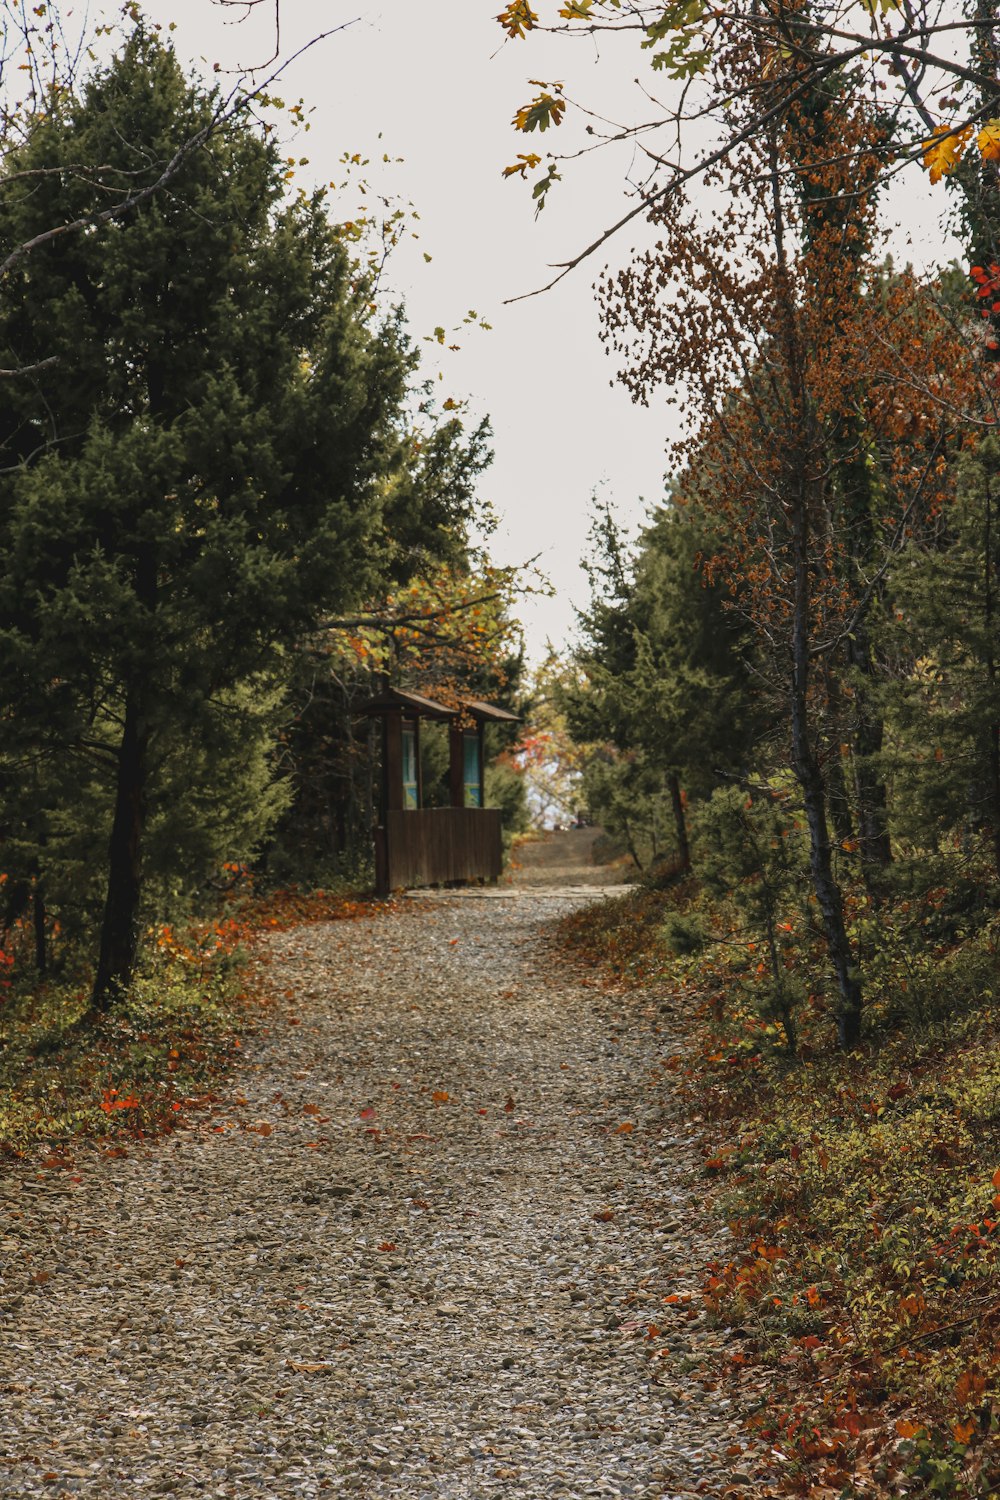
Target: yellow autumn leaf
[
  {"x": 518, "y": 19},
  {"x": 526, "y": 162},
  {"x": 944, "y": 150},
  {"x": 988, "y": 141}
]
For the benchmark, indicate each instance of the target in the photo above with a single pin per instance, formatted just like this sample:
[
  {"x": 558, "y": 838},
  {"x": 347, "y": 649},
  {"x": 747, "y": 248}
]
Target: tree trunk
[
  {"x": 630, "y": 844},
  {"x": 680, "y": 821},
  {"x": 810, "y": 777},
  {"x": 120, "y": 929},
  {"x": 989, "y": 612},
  {"x": 804, "y": 758},
  {"x": 829, "y": 213}
]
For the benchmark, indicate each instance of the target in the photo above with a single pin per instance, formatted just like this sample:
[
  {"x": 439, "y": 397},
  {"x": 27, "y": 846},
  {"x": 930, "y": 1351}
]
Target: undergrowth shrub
[{"x": 862, "y": 1191}]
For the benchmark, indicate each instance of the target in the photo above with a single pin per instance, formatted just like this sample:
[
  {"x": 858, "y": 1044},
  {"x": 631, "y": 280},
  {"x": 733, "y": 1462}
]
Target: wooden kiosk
[{"x": 417, "y": 845}]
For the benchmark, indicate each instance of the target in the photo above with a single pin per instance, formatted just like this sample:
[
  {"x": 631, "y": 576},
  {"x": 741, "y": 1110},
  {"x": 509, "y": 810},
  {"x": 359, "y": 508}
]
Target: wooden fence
[{"x": 438, "y": 846}]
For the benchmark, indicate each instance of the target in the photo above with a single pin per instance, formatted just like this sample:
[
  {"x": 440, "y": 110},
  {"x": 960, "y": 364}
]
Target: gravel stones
[{"x": 416, "y": 1254}]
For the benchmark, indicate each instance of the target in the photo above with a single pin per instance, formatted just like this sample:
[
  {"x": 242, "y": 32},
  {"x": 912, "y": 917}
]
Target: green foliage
[
  {"x": 753, "y": 858},
  {"x": 156, "y": 1059},
  {"x": 218, "y": 451},
  {"x": 505, "y": 789},
  {"x": 686, "y": 934},
  {"x": 661, "y": 694},
  {"x": 945, "y": 712}
]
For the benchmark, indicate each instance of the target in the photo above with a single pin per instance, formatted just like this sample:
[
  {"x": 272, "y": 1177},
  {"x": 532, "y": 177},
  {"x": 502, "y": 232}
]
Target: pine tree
[{"x": 212, "y": 460}]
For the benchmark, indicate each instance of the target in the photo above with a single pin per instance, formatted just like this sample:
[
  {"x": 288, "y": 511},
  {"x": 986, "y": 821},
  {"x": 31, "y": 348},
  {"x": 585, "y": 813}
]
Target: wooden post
[
  {"x": 392, "y": 797},
  {"x": 392, "y": 761},
  {"x": 456, "y": 765}
]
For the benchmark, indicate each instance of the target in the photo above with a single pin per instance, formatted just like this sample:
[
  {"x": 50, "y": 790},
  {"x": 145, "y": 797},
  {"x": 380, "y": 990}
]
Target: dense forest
[
  {"x": 229, "y": 511},
  {"x": 789, "y": 680}
]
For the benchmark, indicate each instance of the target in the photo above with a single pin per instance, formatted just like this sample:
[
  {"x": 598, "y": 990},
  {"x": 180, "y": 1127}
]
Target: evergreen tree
[
  {"x": 217, "y": 455},
  {"x": 665, "y": 681}
]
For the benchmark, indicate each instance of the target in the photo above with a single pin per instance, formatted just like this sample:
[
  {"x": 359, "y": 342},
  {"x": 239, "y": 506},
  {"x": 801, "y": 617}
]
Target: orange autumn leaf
[
  {"x": 944, "y": 149},
  {"x": 440, "y": 1096},
  {"x": 988, "y": 141},
  {"x": 969, "y": 1386}
]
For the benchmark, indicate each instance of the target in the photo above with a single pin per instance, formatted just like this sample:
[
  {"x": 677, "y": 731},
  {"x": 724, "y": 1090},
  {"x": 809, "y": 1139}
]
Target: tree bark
[
  {"x": 806, "y": 764},
  {"x": 810, "y": 778},
  {"x": 680, "y": 821},
  {"x": 989, "y": 612},
  {"x": 120, "y": 927}
]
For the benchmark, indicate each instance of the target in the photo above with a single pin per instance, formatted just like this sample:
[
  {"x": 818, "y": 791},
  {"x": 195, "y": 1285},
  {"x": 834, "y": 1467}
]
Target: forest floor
[{"x": 421, "y": 1246}]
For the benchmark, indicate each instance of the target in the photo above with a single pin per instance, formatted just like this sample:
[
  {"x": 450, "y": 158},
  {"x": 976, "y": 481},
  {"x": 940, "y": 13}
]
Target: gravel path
[
  {"x": 565, "y": 859},
  {"x": 416, "y": 1254}
]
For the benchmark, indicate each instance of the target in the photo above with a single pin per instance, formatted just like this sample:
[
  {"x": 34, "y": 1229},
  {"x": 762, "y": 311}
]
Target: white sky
[{"x": 433, "y": 84}]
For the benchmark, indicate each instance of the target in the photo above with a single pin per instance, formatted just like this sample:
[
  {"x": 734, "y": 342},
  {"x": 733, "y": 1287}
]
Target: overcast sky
[{"x": 434, "y": 84}]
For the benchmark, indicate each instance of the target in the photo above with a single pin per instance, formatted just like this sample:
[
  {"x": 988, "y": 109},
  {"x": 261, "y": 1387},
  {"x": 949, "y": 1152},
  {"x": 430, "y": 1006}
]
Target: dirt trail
[
  {"x": 564, "y": 859},
  {"x": 417, "y": 1253}
]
